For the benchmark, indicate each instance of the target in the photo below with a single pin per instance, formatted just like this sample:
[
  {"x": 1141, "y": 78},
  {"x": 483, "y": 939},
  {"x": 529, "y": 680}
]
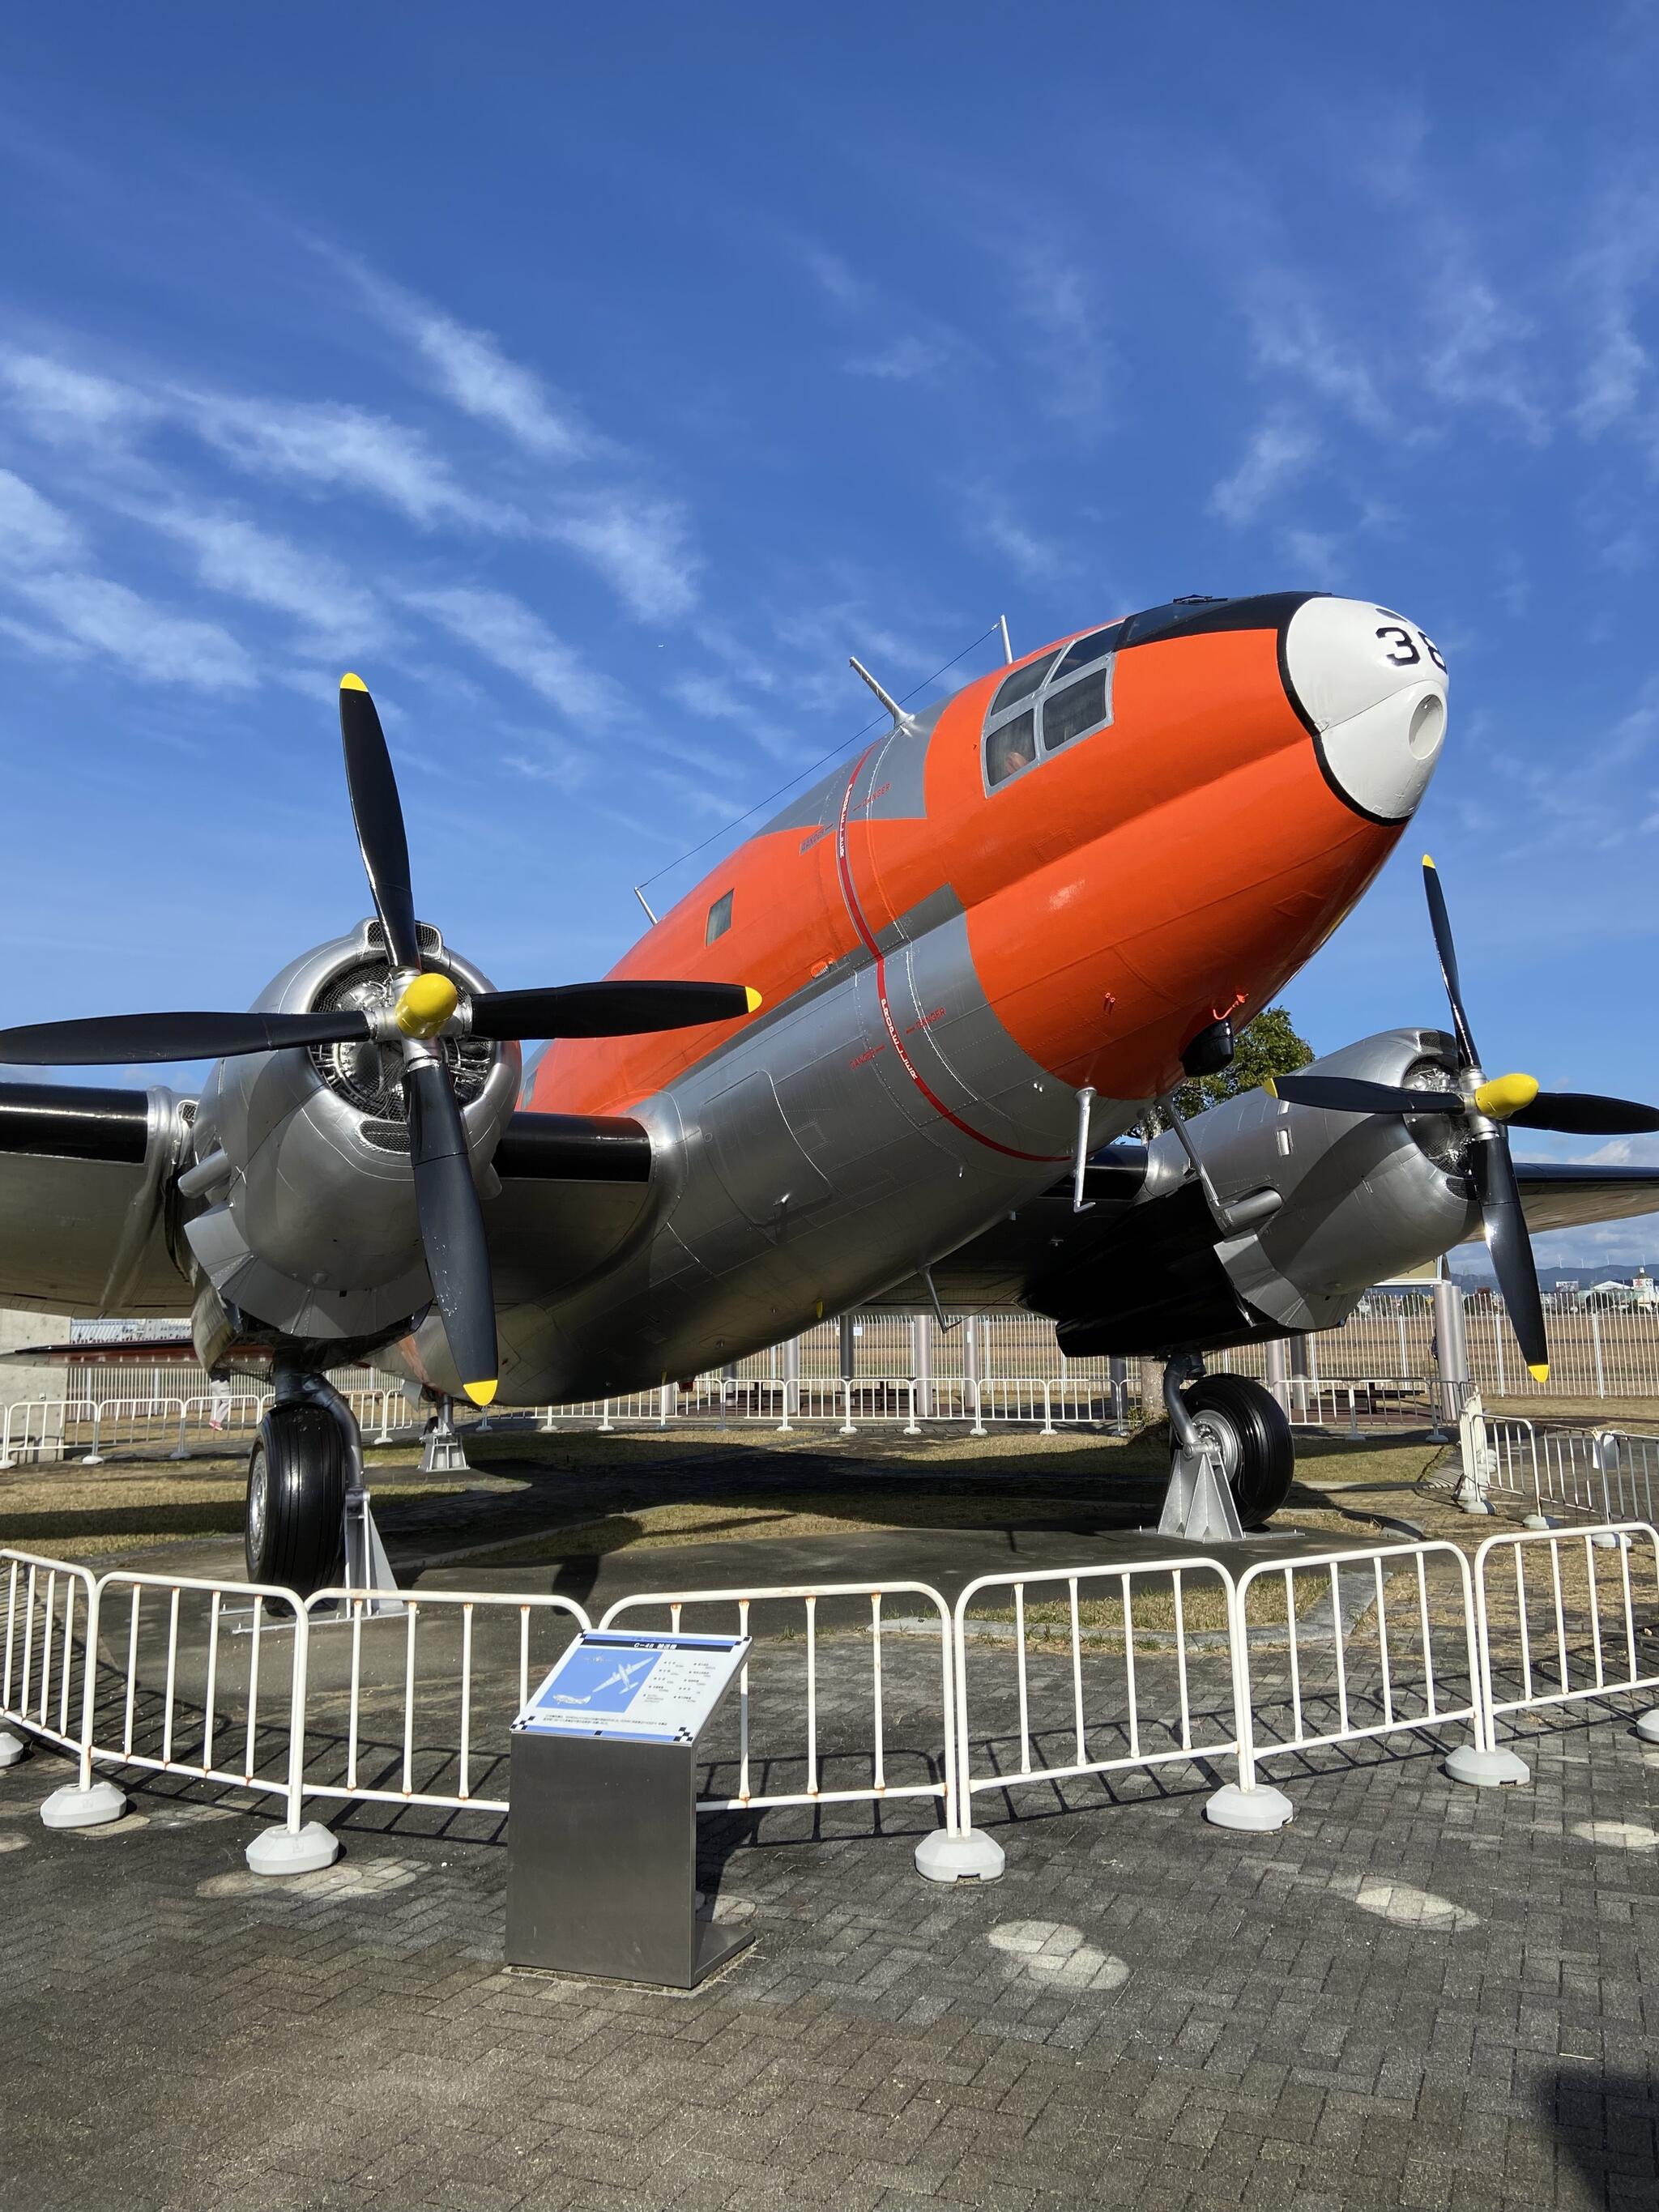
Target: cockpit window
[
  {"x": 1022, "y": 684},
  {"x": 720, "y": 918},
  {"x": 1095, "y": 647},
  {"x": 1049, "y": 700},
  {"x": 1078, "y": 707},
  {"x": 1010, "y": 747}
]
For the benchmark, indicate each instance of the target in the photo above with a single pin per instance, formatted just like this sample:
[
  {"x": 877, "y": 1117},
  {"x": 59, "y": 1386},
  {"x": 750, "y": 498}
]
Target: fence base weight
[
  {"x": 975, "y": 1856},
  {"x": 1647, "y": 1727},
  {"x": 12, "y": 1748},
  {"x": 286, "y": 1851},
  {"x": 1254, "y": 1812},
  {"x": 94, "y": 1807},
  {"x": 1485, "y": 1770}
]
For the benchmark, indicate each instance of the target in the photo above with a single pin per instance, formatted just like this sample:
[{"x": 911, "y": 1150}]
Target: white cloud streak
[
  {"x": 474, "y": 374},
  {"x": 33, "y": 530},
  {"x": 157, "y": 647},
  {"x": 1279, "y": 451},
  {"x": 505, "y": 631},
  {"x": 640, "y": 547}
]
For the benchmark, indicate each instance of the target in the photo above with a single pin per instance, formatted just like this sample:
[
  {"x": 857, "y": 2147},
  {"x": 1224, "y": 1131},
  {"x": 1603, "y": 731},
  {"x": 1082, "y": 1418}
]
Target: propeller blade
[
  {"x": 1510, "y": 1246},
  {"x": 451, "y": 1225},
  {"x": 379, "y": 815},
  {"x": 595, "y": 1010},
  {"x": 1349, "y": 1094},
  {"x": 113, "y": 1039},
  {"x": 1440, "y": 922},
  {"x": 1582, "y": 1114}
]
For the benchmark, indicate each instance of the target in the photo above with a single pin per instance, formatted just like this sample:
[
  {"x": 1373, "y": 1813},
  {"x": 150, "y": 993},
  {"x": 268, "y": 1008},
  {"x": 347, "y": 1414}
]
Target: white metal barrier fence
[
  {"x": 1339, "y": 1682},
  {"x": 933, "y": 1764},
  {"x": 1582, "y": 1618},
  {"x": 388, "y": 1651},
  {"x": 1102, "y": 1670},
  {"x": 43, "y": 1675},
  {"x": 31, "y": 1429},
  {"x": 229, "y": 1703},
  {"x": 1603, "y": 1475},
  {"x": 1135, "y": 1722}
]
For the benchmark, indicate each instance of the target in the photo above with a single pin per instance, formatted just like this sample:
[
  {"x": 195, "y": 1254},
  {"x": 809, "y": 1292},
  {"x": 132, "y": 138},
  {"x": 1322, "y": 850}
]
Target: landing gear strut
[
  {"x": 1232, "y": 1456},
  {"x": 308, "y": 1522}
]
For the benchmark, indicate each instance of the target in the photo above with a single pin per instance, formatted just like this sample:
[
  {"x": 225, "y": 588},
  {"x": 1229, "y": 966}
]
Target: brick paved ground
[{"x": 1415, "y": 1996}]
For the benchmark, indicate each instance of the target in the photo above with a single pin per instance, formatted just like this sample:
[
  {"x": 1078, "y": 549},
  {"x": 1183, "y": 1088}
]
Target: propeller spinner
[
  {"x": 426, "y": 1005},
  {"x": 1490, "y": 1107}
]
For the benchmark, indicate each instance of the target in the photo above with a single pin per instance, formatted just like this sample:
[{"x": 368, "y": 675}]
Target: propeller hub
[
  {"x": 427, "y": 1003},
  {"x": 1505, "y": 1095}
]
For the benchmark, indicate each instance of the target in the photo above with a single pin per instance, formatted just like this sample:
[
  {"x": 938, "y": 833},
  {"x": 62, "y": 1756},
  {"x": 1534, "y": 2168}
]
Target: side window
[
  {"x": 720, "y": 918},
  {"x": 1087, "y": 649},
  {"x": 1077, "y": 708},
  {"x": 1010, "y": 747},
  {"x": 1021, "y": 684}
]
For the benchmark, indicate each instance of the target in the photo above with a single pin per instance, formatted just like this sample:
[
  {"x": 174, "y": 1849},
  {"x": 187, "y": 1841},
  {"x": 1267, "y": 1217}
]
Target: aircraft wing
[
  {"x": 83, "y": 1173},
  {"x": 991, "y": 1275},
  {"x": 1555, "y": 1194},
  {"x": 88, "y": 1214}
]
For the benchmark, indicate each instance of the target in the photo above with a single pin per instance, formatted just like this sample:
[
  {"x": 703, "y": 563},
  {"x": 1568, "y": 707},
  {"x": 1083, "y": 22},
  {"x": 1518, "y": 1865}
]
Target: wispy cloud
[
  {"x": 61, "y": 402},
  {"x": 473, "y": 372},
  {"x": 1614, "y": 271},
  {"x": 98, "y": 615},
  {"x": 330, "y": 447},
  {"x": 1279, "y": 451},
  {"x": 1481, "y": 351},
  {"x": 1073, "y": 365},
  {"x": 33, "y": 530},
  {"x": 641, "y": 547},
  {"x": 907, "y": 359},
  {"x": 231, "y": 555},
  {"x": 992, "y": 522},
  {"x": 505, "y": 631},
  {"x": 1291, "y": 334}
]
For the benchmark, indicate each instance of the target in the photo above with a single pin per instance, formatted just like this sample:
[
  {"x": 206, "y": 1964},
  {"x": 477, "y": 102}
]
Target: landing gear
[
  {"x": 1231, "y": 1457},
  {"x": 1248, "y": 1426},
  {"x": 296, "y": 1490}
]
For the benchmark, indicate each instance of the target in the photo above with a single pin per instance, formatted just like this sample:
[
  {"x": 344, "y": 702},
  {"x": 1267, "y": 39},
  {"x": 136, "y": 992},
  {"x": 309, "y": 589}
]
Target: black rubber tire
[
  {"x": 293, "y": 1533},
  {"x": 1257, "y": 1448}
]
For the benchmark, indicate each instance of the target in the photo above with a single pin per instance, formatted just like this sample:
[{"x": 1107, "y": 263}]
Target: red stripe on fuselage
[{"x": 855, "y": 913}]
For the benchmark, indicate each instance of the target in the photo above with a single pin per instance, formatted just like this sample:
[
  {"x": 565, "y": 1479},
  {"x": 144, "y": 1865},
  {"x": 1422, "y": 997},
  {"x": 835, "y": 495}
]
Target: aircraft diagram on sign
[
  {"x": 906, "y": 1026},
  {"x": 621, "y": 1677}
]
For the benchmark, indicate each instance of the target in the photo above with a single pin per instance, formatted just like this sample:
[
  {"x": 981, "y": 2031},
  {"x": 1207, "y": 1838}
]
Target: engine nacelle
[
  {"x": 1335, "y": 1202},
  {"x": 302, "y": 1157}
]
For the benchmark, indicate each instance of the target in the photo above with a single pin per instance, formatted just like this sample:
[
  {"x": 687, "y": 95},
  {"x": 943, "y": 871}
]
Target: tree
[{"x": 1267, "y": 1046}]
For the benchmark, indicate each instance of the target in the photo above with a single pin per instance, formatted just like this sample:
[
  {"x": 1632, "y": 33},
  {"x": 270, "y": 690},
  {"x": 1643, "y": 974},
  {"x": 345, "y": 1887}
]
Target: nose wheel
[
  {"x": 1233, "y": 1458},
  {"x": 296, "y": 1489}
]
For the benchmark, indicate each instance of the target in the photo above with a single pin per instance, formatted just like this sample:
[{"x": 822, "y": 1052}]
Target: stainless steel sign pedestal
[{"x": 602, "y": 1839}]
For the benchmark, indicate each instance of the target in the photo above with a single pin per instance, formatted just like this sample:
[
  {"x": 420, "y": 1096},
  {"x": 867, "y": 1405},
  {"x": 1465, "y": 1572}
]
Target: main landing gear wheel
[
  {"x": 296, "y": 1486},
  {"x": 1248, "y": 1426}
]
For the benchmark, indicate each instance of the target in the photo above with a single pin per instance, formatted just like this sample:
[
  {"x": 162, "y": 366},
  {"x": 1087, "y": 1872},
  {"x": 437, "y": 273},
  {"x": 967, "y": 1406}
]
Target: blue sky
[{"x": 595, "y": 381}]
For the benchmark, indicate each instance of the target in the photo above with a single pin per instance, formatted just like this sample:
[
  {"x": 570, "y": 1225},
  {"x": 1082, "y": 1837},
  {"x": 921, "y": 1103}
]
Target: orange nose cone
[{"x": 1228, "y": 847}]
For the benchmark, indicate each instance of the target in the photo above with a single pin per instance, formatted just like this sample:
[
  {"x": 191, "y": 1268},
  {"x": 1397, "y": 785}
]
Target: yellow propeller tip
[
  {"x": 1428, "y": 862},
  {"x": 481, "y": 1394},
  {"x": 753, "y": 997},
  {"x": 350, "y": 683},
  {"x": 1270, "y": 1086},
  {"x": 1541, "y": 1372}
]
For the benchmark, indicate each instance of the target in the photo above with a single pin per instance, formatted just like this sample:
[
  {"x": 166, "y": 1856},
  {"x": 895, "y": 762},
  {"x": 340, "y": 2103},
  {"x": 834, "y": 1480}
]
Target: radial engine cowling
[
  {"x": 1335, "y": 1203},
  {"x": 307, "y": 1222}
]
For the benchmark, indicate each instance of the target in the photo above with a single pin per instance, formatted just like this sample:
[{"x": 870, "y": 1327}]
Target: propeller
[
  {"x": 1491, "y": 1105},
  {"x": 428, "y": 1006}
]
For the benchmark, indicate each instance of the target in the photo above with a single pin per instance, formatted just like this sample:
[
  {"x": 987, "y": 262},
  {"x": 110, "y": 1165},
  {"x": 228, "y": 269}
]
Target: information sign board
[{"x": 646, "y": 1689}]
